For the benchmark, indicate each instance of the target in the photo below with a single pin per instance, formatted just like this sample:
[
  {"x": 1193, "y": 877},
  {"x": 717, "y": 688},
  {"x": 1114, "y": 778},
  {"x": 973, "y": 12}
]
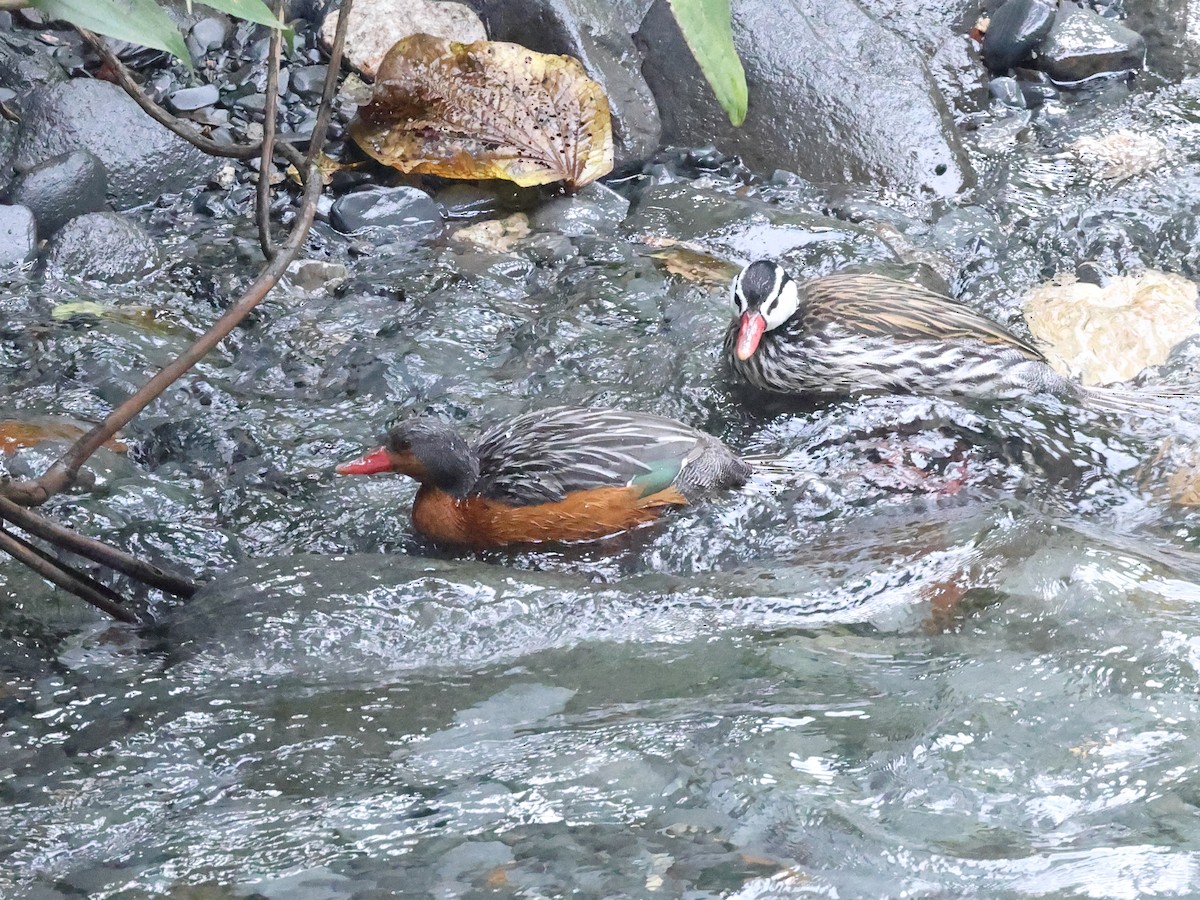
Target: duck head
[
  {"x": 765, "y": 297},
  {"x": 425, "y": 449}
]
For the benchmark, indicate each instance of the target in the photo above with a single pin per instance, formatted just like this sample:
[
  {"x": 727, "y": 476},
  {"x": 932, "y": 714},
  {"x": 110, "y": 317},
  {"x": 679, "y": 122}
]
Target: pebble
[
  {"x": 1082, "y": 45},
  {"x": 193, "y": 98},
  {"x": 18, "y": 235},
  {"x": 101, "y": 246},
  {"x": 308, "y": 81},
  {"x": 1007, "y": 91},
  {"x": 1015, "y": 31},
  {"x": 207, "y": 34},
  {"x": 62, "y": 188},
  {"x": 595, "y": 209},
  {"x": 386, "y": 207}
]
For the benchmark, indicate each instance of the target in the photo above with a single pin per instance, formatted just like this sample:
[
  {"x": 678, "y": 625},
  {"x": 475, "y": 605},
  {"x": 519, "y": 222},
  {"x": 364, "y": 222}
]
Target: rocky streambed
[{"x": 957, "y": 655}]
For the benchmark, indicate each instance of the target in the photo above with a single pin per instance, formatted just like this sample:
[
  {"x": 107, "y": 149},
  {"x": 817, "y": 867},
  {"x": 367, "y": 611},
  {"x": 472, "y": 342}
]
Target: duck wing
[
  {"x": 543, "y": 456},
  {"x": 878, "y": 306}
]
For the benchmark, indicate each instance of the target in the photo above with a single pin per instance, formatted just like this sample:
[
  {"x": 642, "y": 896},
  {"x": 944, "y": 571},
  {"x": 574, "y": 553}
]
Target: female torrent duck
[
  {"x": 558, "y": 474},
  {"x": 850, "y": 333}
]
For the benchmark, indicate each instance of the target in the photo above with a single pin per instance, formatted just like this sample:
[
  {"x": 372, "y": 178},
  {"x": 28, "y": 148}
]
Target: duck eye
[{"x": 738, "y": 298}]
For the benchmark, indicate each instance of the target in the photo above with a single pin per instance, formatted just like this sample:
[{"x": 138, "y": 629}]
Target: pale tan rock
[
  {"x": 1102, "y": 335},
  {"x": 376, "y": 25},
  {"x": 1120, "y": 155},
  {"x": 497, "y": 235}
]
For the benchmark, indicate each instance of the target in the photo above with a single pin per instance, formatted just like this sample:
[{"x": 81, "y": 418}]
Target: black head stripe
[{"x": 760, "y": 280}]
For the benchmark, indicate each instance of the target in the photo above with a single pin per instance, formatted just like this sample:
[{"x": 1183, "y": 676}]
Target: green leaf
[
  {"x": 137, "y": 21},
  {"x": 250, "y": 10},
  {"x": 707, "y": 28}
]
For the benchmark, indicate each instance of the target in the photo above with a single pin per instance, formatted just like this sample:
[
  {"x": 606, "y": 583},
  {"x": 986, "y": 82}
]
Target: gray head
[
  {"x": 426, "y": 449},
  {"x": 765, "y": 297}
]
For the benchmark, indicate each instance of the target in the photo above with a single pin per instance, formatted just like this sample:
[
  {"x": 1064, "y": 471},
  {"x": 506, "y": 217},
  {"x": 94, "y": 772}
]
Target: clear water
[{"x": 956, "y": 653}]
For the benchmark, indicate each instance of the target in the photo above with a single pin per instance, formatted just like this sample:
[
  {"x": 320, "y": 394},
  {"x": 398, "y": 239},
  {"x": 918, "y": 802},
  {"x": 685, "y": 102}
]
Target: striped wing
[
  {"x": 878, "y": 306},
  {"x": 543, "y": 456}
]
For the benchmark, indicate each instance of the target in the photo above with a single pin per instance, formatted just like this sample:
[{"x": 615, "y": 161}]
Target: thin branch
[
  {"x": 335, "y": 66},
  {"x": 13, "y": 4},
  {"x": 181, "y": 127},
  {"x": 120, "y": 561},
  {"x": 56, "y": 573},
  {"x": 266, "y": 160}
]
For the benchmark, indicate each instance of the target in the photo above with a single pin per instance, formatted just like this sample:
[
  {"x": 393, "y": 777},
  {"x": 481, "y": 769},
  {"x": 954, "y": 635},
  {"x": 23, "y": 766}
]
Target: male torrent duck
[{"x": 558, "y": 474}]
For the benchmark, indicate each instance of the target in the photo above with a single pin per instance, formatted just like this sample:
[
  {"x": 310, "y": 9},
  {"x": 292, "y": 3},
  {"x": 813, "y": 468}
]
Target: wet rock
[
  {"x": 102, "y": 246},
  {"x": 383, "y": 207},
  {"x": 207, "y": 34},
  {"x": 1015, "y": 31},
  {"x": 18, "y": 235},
  {"x": 596, "y": 209},
  {"x": 1082, "y": 45},
  {"x": 142, "y": 158},
  {"x": 1007, "y": 91},
  {"x": 23, "y": 68},
  {"x": 194, "y": 98},
  {"x": 309, "y": 81},
  {"x": 62, "y": 188},
  {"x": 375, "y": 27},
  {"x": 8, "y": 149},
  {"x": 834, "y": 97},
  {"x": 597, "y": 33}
]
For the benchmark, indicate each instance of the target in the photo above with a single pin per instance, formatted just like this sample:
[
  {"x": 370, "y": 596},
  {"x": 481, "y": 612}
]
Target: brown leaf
[
  {"x": 691, "y": 262},
  {"x": 486, "y": 110},
  {"x": 15, "y": 434}
]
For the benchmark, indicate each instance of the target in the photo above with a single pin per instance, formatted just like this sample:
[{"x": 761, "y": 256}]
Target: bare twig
[
  {"x": 65, "y": 538},
  {"x": 179, "y": 126},
  {"x": 335, "y": 66},
  {"x": 58, "y": 574},
  {"x": 13, "y": 4},
  {"x": 265, "y": 161}
]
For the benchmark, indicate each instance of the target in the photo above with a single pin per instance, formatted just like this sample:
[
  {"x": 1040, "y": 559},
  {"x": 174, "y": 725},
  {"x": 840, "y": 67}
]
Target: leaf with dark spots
[{"x": 486, "y": 110}]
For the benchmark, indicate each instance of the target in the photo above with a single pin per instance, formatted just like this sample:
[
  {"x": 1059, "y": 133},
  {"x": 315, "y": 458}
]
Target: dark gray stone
[
  {"x": 101, "y": 246},
  {"x": 207, "y": 34},
  {"x": 142, "y": 158},
  {"x": 18, "y": 235},
  {"x": 309, "y": 81},
  {"x": 193, "y": 98},
  {"x": 1016, "y": 30},
  {"x": 62, "y": 188},
  {"x": 384, "y": 207},
  {"x": 23, "y": 68},
  {"x": 1007, "y": 91},
  {"x": 595, "y": 209},
  {"x": 834, "y": 97},
  {"x": 1082, "y": 45},
  {"x": 597, "y": 33},
  {"x": 8, "y": 149}
]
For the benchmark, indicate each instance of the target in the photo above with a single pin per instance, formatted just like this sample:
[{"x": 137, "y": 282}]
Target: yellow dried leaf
[
  {"x": 486, "y": 110},
  {"x": 15, "y": 434}
]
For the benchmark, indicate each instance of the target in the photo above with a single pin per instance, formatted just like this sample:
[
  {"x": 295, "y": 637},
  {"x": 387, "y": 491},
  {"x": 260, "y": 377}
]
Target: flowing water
[{"x": 953, "y": 650}]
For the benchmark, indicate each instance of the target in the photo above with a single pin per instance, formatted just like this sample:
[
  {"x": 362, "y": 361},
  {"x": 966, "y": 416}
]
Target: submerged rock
[
  {"x": 103, "y": 246},
  {"x": 62, "y": 188},
  {"x": 395, "y": 207},
  {"x": 1015, "y": 31},
  {"x": 1082, "y": 45},
  {"x": 834, "y": 96},
  {"x": 374, "y": 27},
  {"x": 1103, "y": 335},
  {"x": 142, "y": 158},
  {"x": 596, "y": 209},
  {"x": 597, "y": 33},
  {"x": 18, "y": 235}
]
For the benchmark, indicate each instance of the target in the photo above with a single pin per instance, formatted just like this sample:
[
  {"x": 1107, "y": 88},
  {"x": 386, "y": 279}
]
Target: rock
[
  {"x": 1007, "y": 91},
  {"x": 207, "y": 34},
  {"x": 8, "y": 149},
  {"x": 1015, "y": 31},
  {"x": 1120, "y": 155},
  {"x": 597, "y": 33},
  {"x": 193, "y": 98},
  {"x": 18, "y": 235},
  {"x": 309, "y": 81},
  {"x": 142, "y": 158},
  {"x": 834, "y": 97},
  {"x": 23, "y": 68},
  {"x": 384, "y": 207},
  {"x": 374, "y": 27},
  {"x": 62, "y": 188},
  {"x": 1082, "y": 45},
  {"x": 103, "y": 246},
  {"x": 596, "y": 209}
]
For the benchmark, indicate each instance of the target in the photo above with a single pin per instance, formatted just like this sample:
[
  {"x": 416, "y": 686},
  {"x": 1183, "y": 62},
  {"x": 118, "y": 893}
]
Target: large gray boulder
[
  {"x": 598, "y": 33},
  {"x": 834, "y": 96},
  {"x": 61, "y": 188},
  {"x": 143, "y": 159}
]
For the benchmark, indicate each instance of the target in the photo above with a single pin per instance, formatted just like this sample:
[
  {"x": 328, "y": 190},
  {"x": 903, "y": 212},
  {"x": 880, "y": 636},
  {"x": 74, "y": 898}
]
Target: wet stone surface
[{"x": 954, "y": 652}]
